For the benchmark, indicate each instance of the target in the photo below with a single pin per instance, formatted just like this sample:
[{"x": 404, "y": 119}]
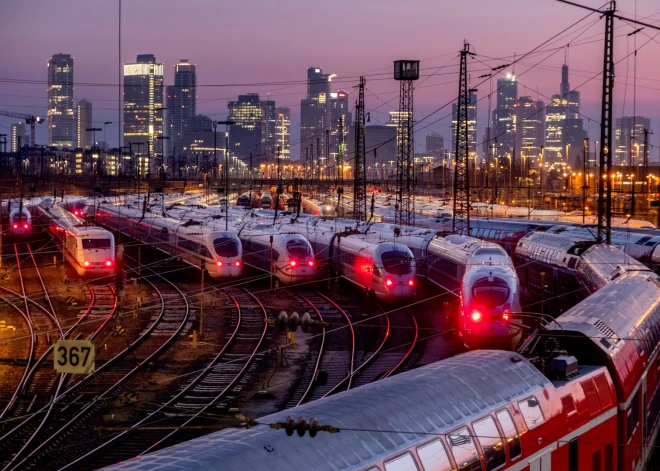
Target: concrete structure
[
  {"x": 85, "y": 138},
  {"x": 61, "y": 121},
  {"x": 181, "y": 104}
]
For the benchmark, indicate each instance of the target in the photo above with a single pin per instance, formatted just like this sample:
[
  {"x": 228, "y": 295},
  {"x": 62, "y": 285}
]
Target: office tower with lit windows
[
  {"x": 270, "y": 123},
  {"x": 530, "y": 132},
  {"x": 472, "y": 124},
  {"x": 629, "y": 138},
  {"x": 395, "y": 122},
  {"x": 83, "y": 123},
  {"x": 143, "y": 110},
  {"x": 17, "y": 137},
  {"x": 283, "y": 131},
  {"x": 503, "y": 139},
  {"x": 435, "y": 145},
  {"x": 315, "y": 114},
  {"x": 61, "y": 121},
  {"x": 181, "y": 104},
  {"x": 340, "y": 117},
  {"x": 248, "y": 135}
]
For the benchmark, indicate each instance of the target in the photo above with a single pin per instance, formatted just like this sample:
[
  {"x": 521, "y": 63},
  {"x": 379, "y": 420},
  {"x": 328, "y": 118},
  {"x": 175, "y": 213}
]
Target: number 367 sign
[{"x": 74, "y": 356}]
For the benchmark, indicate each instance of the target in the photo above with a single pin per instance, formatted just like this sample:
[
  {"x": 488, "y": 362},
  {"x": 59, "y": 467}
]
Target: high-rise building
[
  {"x": 283, "y": 131},
  {"x": 629, "y": 134},
  {"x": 269, "y": 145},
  {"x": 396, "y": 117},
  {"x": 315, "y": 114},
  {"x": 435, "y": 145},
  {"x": 504, "y": 117},
  {"x": 340, "y": 117},
  {"x": 199, "y": 123},
  {"x": 472, "y": 123},
  {"x": 61, "y": 121},
  {"x": 181, "y": 103},
  {"x": 17, "y": 137},
  {"x": 143, "y": 110},
  {"x": 197, "y": 146},
  {"x": 83, "y": 123},
  {"x": 382, "y": 139},
  {"x": 530, "y": 130},
  {"x": 248, "y": 135}
]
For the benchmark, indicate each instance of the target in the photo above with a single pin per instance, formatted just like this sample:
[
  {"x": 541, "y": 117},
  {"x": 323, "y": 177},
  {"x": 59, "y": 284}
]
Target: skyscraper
[
  {"x": 181, "y": 104},
  {"x": 504, "y": 116},
  {"x": 435, "y": 145},
  {"x": 61, "y": 122},
  {"x": 340, "y": 117},
  {"x": 269, "y": 146},
  {"x": 17, "y": 137},
  {"x": 143, "y": 113},
  {"x": 283, "y": 131},
  {"x": 629, "y": 135},
  {"x": 83, "y": 123},
  {"x": 315, "y": 113},
  {"x": 472, "y": 123},
  {"x": 530, "y": 130},
  {"x": 248, "y": 135}
]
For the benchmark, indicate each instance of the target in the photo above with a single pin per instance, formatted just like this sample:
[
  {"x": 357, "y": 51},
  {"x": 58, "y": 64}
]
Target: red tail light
[
  {"x": 311, "y": 263},
  {"x": 15, "y": 226},
  {"x": 388, "y": 282},
  {"x": 25, "y": 226},
  {"x": 237, "y": 263},
  {"x": 293, "y": 263},
  {"x": 476, "y": 316},
  {"x": 108, "y": 263},
  {"x": 505, "y": 315},
  {"x": 86, "y": 263},
  {"x": 219, "y": 263},
  {"x": 411, "y": 282}
]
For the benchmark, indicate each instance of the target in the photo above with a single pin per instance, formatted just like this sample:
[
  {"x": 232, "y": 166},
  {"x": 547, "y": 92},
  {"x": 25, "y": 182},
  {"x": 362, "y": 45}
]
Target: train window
[
  {"x": 396, "y": 262},
  {"x": 434, "y": 456},
  {"x": 226, "y": 247},
  {"x": 298, "y": 248},
  {"x": 568, "y": 404},
  {"x": 589, "y": 389},
  {"x": 489, "y": 438},
  {"x": 205, "y": 252},
  {"x": 573, "y": 455},
  {"x": 632, "y": 414},
  {"x": 274, "y": 255},
  {"x": 96, "y": 243},
  {"x": 510, "y": 432},
  {"x": 531, "y": 412},
  {"x": 490, "y": 292},
  {"x": 464, "y": 450},
  {"x": 603, "y": 389},
  {"x": 402, "y": 463}
]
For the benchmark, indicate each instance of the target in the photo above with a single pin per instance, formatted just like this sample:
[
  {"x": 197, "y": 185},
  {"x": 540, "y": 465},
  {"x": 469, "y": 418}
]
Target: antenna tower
[{"x": 360, "y": 180}]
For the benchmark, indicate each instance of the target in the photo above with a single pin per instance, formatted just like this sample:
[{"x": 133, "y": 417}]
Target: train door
[{"x": 542, "y": 463}]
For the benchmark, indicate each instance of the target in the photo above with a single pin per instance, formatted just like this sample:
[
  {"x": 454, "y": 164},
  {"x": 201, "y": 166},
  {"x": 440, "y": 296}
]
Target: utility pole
[
  {"x": 360, "y": 174},
  {"x": 645, "y": 165},
  {"x": 340, "y": 167},
  {"x": 406, "y": 72},
  {"x": 585, "y": 187},
  {"x": 227, "y": 123},
  {"x": 461, "y": 219}
]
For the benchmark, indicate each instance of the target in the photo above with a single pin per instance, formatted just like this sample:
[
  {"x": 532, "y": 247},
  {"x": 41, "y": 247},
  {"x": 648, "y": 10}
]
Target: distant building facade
[
  {"x": 471, "y": 125},
  {"x": 315, "y": 114},
  {"x": 530, "y": 131},
  {"x": 17, "y": 137},
  {"x": 83, "y": 123},
  {"x": 181, "y": 104},
  {"x": 61, "y": 121},
  {"x": 283, "y": 131},
  {"x": 435, "y": 145},
  {"x": 503, "y": 139},
  {"x": 248, "y": 136},
  {"x": 629, "y": 137}
]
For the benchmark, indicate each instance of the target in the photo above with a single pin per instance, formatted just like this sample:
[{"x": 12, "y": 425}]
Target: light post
[
  {"x": 227, "y": 123},
  {"x": 162, "y": 156}
]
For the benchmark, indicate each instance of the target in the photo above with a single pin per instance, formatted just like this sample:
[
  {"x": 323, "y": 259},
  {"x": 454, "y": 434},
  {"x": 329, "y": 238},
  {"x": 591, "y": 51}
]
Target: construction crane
[{"x": 29, "y": 119}]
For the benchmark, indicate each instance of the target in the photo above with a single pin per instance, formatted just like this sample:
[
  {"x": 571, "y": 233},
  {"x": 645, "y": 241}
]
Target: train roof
[{"x": 469, "y": 386}]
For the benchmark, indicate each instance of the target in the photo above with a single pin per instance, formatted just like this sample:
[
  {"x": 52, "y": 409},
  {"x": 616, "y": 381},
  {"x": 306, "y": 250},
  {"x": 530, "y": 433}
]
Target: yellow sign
[{"x": 74, "y": 356}]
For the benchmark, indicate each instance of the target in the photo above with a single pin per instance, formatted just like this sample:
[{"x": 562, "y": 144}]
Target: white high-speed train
[
  {"x": 220, "y": 252},
  {"x": 385, "y": 269},
  {"x": 288, "y": 256},
  {"x": 20, "y": 219},
  {"x": 89, "y": 248}
]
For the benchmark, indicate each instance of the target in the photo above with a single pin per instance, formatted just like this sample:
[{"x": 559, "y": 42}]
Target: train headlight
[
  {"x": 108, "y": 263},
  {"x": 293, "y": 263},
  {"x": 219, "y": 263},
  {"x": 86, "y": 263},
  {"x": 388, "y": 282},
  {"x": 15, "y": 226},
  {"x": 237, "y": 263},
  {"x": 505, "y": 315},
  {"x": 476, "y": 316},
  {"x": 25, "y": 226},
  {"x": 311, "y": 263},
  {"x": 411, "y": 282}
]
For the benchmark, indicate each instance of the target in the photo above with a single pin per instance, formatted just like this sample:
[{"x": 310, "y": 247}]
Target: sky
[{"x": 265, "y": 47}]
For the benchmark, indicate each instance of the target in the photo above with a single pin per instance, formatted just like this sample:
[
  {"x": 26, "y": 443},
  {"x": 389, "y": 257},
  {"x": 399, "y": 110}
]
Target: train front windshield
[
  {"x": 491, "y": 292},
  {"x": 226, "y": 247},
  {"x": 396, "y": 263},
  {"x": 298, "y": 249},
  {"x": 96, "y": 244}
]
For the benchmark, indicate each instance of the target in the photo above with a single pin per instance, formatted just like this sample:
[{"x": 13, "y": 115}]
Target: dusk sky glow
[{"x": 257, "y": 42}]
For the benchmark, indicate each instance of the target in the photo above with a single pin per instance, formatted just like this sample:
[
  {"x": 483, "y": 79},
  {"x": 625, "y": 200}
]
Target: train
[
  {"x": 317, "y": 208},
  {"x": 266, "y": 200},
  {"x": 585, "y": 394},
  {"x": 385, "y": 270},
  {"x": 88, "y": 248},
  {"x": 20, "y": 218},
  {"x": 219, "y": 252}
]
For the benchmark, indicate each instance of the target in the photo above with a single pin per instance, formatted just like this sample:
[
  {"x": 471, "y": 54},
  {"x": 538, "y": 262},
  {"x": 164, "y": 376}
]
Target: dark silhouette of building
[
  {"x": 315, "y": 113},
  {"x": 181, "y": 104}
]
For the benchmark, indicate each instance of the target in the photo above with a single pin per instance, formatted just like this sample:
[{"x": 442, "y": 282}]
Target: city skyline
[{"x": 285, "y": 83}]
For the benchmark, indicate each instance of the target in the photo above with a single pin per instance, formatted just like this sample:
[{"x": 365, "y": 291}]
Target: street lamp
[
  {"x": 162, "y": 156},
  {"x": 227, "y": 123}
]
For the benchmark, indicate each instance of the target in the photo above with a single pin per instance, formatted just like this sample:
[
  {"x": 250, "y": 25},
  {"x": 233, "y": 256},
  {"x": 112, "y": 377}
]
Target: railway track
[
  {"x": 206, "y": 395},
  {"x": 78, "y": 404}
]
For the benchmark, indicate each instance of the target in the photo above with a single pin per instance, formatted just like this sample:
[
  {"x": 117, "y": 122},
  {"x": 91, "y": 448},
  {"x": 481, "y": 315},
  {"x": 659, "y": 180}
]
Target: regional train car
[
  {"x": 88, "y": 248},
  {"x": 583, "y": 396},
  {"x": 266, "y": 200},
  {"x": 385, "y": 270},
  {"x": 289, "y": 257},
  {"x": 20, "y": 219},
  {"x": 220, "y": 252}
]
